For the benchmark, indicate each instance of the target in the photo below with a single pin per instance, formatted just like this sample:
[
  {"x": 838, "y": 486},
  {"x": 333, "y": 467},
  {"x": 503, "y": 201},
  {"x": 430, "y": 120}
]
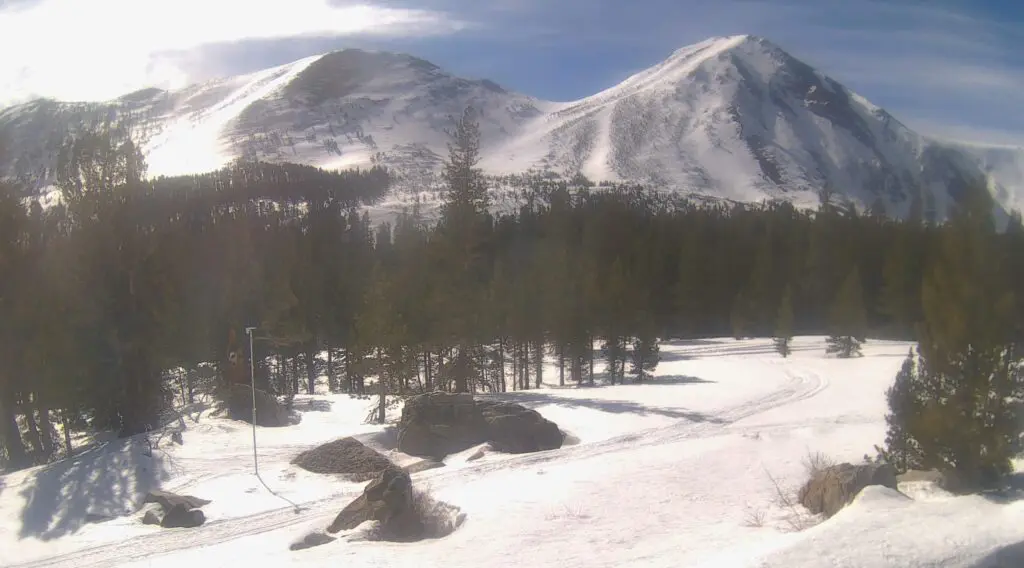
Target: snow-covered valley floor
[{"x": 678, "y": 472}]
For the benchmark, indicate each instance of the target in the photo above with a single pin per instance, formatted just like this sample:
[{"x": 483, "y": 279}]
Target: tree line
[{"x": 122, "y": 296}]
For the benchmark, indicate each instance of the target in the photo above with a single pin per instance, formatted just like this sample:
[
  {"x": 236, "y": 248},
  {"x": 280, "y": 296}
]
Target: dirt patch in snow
[{"x": 347, "y": 456}]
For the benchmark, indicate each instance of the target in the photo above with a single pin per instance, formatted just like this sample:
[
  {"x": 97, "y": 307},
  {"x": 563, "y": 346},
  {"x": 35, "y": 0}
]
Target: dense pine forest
[{"x": 124, "y": 296}]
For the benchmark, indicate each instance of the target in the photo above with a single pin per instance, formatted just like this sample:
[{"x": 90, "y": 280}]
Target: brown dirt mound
[{"x": 346, "y": 456}]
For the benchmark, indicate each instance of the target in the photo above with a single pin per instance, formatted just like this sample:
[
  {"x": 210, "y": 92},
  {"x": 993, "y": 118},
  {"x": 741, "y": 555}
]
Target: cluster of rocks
[
  {"x": 437, "y": 424},
  {"x": 173, "y": 511}
]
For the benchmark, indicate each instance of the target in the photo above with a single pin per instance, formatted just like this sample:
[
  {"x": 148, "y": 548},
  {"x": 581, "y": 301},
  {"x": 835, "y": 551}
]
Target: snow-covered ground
[{"x": 677, "y": 472}]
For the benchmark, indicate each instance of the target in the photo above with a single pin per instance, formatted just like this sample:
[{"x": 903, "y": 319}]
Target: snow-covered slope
[
  {"x": 683, "y": 471},
  {"x": 734, "y": 117}
]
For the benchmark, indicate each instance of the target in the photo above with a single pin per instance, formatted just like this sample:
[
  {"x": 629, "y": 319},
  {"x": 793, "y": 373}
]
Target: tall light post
[{"x": 252, "y": 383}]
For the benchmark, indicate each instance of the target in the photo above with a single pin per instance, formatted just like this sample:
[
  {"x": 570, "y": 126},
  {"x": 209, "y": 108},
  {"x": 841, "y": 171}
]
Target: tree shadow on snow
[
  {"x": 535, "y": 398},
  {"x": 312, "y": 405},
  {"x": 101, "y": 483},
  {"x": 1009, "y": 556},
  {"x": 1012, "y": 491}
]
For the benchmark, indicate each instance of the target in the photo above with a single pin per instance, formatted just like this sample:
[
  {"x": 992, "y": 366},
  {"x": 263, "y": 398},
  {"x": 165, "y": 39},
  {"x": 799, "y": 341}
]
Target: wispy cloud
[
  {"x": 102, "y": 48},
  {"x": 942, "y": 66}
]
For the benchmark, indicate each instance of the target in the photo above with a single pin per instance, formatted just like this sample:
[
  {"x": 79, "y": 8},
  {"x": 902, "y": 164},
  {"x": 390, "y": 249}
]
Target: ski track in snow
[{"x": 802, "y": 385}]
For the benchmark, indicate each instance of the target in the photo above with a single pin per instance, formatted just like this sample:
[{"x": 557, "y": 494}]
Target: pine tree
[
  {"x": 644, "y": 357},
  {"x": 957, "y": 406},
  {"x": 848, "y": 318},
  {"x": 904, "y": 409},
  {"x": 784, "y": 324}
]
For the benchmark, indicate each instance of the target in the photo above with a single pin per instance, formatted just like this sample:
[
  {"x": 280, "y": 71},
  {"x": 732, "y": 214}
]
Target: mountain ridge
[{"x": 734, "y": 117}]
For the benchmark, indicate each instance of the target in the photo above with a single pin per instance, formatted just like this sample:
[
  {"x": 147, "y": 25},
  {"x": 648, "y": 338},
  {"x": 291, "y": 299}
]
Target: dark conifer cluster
[{"x": 122, "y": 297}]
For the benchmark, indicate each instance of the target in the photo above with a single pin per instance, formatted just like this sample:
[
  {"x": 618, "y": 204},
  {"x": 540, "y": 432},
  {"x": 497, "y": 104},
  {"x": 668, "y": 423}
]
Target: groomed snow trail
[{"x": 799, "y": 384}]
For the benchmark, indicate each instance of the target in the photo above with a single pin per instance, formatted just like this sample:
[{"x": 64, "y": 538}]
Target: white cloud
[{"x": 98, "y": 49}]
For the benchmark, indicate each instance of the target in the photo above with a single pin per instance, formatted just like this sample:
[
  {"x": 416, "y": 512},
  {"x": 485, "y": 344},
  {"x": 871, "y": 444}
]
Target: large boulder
[
  {"x": 170, "y": 511},
  {"x": 832, "y": 488},
  {"x": 388, "y": 499},
  {"x": 269, "y": 411},
  {"x": 168, "y": 500},
  {"x": 515, "y": 429},
  {"x": 438, "y": 424}
]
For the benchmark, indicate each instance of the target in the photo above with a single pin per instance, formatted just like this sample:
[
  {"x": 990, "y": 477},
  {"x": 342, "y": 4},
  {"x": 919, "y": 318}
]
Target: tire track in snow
[{"x": 800, "y": 386}]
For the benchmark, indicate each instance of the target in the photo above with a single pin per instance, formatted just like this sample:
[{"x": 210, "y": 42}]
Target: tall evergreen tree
[
  {"x": 784, "y": 324},
  {"x": 955, "y": 407},
  {"x": 847, "y": 318}
]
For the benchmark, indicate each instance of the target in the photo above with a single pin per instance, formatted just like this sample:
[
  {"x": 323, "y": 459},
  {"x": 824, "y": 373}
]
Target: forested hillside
[{"x": 130, "y": 283}]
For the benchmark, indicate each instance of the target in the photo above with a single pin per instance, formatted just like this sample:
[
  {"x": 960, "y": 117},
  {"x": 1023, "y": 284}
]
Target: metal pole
[{"x": 252, "y": 384}]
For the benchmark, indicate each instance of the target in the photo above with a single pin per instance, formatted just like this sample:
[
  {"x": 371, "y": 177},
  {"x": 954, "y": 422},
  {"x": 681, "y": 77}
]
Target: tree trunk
[
  {"x": 68, "y": 450},
  {"x": 10, "y": 436},
  {"x": 590, "y": 353},
  {"x": 561, "y": 364},
  {"x": 428, "y": 371},
  {"x": 515, "y": 366},
  {"x": 295, "y": 375},
  {"x": 46, "y": 431},
  {"x": 311, "y": 369},
  {"x": 348, "y": 371},
  {"x": 33, "y": 431},
  {"x": 190, "y": 385},
  {"x": 539, "y": 363},
  {"x": 461, "y": 370},
  {"x": 382, "y": 391},
  {"x": 525, "y": 367},
  {"x": 577, "y": 366},
  {"x": 501, "y": 364},
  {"x": 332, "y": 380}
]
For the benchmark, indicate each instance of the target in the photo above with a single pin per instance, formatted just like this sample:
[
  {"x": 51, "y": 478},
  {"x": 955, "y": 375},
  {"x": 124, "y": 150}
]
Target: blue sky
[{"x": 947, "y": 68}]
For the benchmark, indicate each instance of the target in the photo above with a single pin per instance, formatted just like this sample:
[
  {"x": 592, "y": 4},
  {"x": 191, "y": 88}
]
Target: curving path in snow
[{"x": 670, "y": 473}]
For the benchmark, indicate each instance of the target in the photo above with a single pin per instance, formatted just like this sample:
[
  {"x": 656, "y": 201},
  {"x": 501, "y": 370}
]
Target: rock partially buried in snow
[
  {"x": 387, "y": 499},
  {"x": 269, "y": 411},
  {"x": 169, "y": 510},
  {"x": 832, "y": 488},
  {"x": 438, "y": 424},
  {"x": 399, "y": 513},
  {"x": 515, "y": 429},
  {"x": 312, "y": 539}
]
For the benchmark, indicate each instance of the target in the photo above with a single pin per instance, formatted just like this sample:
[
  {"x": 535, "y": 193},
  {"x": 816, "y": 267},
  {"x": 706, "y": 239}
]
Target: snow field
[{"x": 683, "y": 471}]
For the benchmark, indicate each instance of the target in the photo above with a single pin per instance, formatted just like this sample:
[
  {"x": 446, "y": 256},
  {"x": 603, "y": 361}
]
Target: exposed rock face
[
  {"x": 832, "y": 488},
  {"x": 387, "y": 499},
  {"x": 515, "y": 429},
  {"x": 269, "y": 411},
  {"x": 173, "y": 511},
  {"x": 437, "y": 424}
]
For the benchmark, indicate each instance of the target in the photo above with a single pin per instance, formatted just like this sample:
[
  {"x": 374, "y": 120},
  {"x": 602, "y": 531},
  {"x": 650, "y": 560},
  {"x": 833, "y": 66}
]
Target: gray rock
[
  {"x": 152, "y": 517},
  {"x": 167, "y": 500},
  {"x": 315, "y": 538},
  {"x": 269, "y": 411},
  {"x": 387, "y": 499},
  {"x": 438, "y": 424},
  {"x": 181, "y": 517}
]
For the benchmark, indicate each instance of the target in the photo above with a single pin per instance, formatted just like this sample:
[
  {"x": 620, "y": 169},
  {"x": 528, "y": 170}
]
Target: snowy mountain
[{"x": 731, "y": 117}]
